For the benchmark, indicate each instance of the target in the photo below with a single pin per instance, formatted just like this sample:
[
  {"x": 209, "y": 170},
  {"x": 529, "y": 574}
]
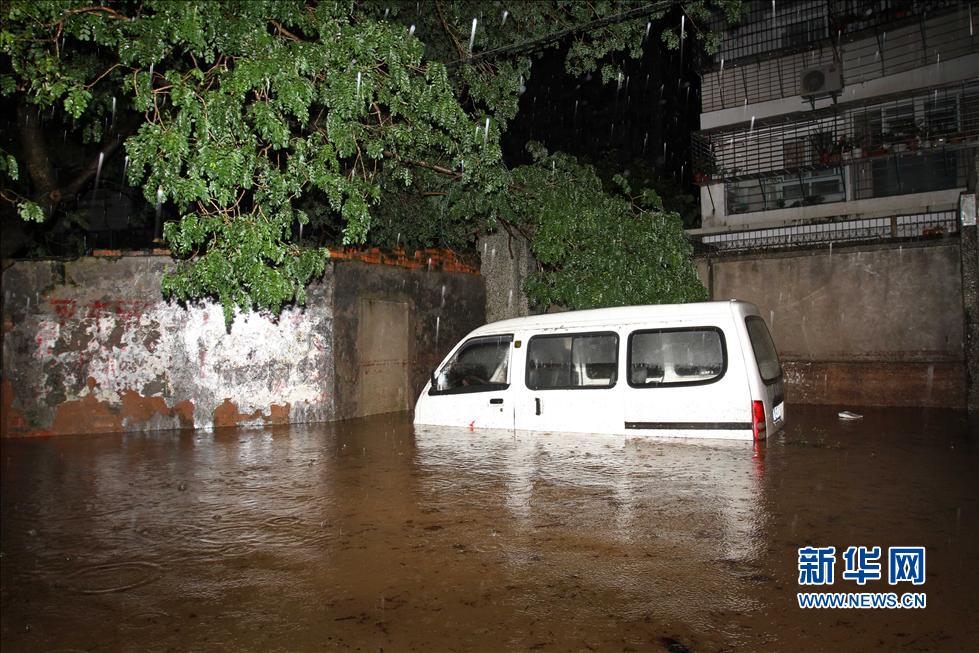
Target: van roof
[{"x": 619, "y": 315}]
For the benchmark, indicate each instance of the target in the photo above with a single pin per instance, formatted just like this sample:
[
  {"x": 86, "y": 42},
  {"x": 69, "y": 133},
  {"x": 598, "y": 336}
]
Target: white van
[{"x": 706, "y": 370}]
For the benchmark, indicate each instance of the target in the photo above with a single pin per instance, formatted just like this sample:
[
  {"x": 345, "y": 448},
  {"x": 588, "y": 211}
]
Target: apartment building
[{"x": 827, "y": 120}]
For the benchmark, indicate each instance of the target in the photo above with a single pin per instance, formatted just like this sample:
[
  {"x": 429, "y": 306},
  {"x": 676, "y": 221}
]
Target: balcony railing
[
  {"x": 913, "y": 226},
  {"x": 902, "y": 174},
  {"x": 945, "y": 118}
]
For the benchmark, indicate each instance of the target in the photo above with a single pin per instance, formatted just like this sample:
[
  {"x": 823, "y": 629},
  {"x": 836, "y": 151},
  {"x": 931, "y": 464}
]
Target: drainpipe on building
[{"x": 969, "y": 264}]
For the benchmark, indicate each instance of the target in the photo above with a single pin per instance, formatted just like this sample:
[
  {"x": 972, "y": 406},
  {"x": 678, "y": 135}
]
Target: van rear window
[
  {"x": 765, "y": 354},
  {"x": 673, "y": 357},
  {"x": 587, "y": 360}
]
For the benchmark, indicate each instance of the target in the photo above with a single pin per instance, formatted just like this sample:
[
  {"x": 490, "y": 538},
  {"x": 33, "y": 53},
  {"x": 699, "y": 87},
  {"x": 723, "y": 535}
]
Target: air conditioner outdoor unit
[{"x": 821, "y": 81}]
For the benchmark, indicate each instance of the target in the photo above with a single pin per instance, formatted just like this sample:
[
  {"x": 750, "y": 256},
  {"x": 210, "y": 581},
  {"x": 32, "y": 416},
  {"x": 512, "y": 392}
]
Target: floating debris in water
[{"x": 848, "y": 415}]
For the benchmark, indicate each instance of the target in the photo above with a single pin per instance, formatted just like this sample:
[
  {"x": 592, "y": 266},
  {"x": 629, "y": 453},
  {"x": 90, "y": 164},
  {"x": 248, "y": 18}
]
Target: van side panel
[{"x": 716, "y": 408}]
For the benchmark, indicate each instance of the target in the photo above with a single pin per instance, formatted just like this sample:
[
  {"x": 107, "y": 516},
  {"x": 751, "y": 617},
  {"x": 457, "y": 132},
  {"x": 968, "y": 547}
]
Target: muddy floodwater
[{"x": 370, "y": 536}]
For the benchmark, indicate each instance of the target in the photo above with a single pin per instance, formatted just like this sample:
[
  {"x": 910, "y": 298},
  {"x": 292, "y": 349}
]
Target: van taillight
[{"x": 758, "y": 420}]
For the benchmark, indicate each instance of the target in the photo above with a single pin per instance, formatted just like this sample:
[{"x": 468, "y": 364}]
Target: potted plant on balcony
[
  {"x": 850, "y": 149},
  {"x": 831, "y": 154},
  {"x": 871, "y": 150},
  {"x": 705, "y": 167},
  {"x": 826, "y": 150}
]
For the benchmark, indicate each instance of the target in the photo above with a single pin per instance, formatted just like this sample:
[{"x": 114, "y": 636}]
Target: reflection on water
[{"x": 367, "y": 535}]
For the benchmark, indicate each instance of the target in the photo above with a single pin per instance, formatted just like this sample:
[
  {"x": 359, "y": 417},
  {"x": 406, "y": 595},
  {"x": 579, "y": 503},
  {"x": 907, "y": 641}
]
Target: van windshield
[
  {"x": 765, "y": 354},
  {"x": 480, "y": 365}
]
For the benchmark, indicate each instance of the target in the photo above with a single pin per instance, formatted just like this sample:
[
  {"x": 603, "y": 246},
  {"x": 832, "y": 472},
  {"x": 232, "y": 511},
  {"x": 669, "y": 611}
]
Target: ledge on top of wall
[
  {"x": 432, "y": 258},
  {"x": 119, "y": 253}
]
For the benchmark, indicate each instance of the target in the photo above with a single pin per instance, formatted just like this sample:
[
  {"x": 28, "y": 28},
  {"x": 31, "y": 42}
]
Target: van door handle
[
  {"x": 496, "y": 401},
  {"x": 537, "y": 401}
]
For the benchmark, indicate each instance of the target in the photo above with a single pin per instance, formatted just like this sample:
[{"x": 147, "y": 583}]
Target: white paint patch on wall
[
  {"x": 260, "y": 363},
  {"x": 139, "y": 343}
]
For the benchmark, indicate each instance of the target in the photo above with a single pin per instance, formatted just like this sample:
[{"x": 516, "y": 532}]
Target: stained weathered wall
[
  {"x": 91, "y": 346},
  {"x": 859, "y": 325}
]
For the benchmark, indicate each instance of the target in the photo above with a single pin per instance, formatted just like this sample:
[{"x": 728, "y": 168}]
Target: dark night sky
[{"x": 658, "y": 103}]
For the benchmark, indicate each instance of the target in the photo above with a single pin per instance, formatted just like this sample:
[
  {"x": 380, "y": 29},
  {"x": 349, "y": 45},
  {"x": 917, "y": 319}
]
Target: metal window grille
[
  {"x": 905, "y": 174},
  {"x": 946, "y": 118},
  {"x": 765, "y": 60}
]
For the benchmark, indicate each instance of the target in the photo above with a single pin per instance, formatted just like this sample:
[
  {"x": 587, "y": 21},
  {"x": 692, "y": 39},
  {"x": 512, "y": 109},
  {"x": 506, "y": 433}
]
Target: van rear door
[{"x": 770, "y": 371}]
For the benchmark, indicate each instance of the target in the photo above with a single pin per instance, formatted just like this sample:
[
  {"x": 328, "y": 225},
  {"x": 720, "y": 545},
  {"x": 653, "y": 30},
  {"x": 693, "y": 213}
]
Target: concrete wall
[
  {"x": 506, "y": 261},
  {"x": 396, "y": 324},
  {"x": 861, "y": 325},
  {"x": 91, "y": 346}
]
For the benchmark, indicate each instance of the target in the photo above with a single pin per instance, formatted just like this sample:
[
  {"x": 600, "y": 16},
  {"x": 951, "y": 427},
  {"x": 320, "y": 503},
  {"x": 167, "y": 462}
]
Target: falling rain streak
[{"x": 98, "y": 169}]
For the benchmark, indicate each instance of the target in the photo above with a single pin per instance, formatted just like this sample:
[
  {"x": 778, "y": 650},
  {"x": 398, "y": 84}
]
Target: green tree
[
  {"x": 246, "y": 119},
  {"x": 615, "y": 250}
]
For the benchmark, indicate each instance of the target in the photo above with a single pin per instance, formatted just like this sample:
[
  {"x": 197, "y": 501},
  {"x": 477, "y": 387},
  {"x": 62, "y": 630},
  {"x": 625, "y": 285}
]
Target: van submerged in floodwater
[{"x": 704, "y": 370}]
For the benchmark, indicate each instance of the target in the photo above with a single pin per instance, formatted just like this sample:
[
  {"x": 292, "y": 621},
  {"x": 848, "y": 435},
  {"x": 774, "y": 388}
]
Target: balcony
[
  {"x": 904, "y": 174},
  {"x": 893, "y": 146},
  {"x": 945, "y": 117},
  {"x": 764, "y": 60}
]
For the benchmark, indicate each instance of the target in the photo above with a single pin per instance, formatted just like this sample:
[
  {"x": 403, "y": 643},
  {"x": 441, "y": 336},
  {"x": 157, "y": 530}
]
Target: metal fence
[{"x": 912, "y": 226}]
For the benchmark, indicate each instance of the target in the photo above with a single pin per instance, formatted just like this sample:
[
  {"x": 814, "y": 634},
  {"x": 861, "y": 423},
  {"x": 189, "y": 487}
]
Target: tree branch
[
  {"x": 282, "y": 30},
  {"x": 448, "y": 31},
  {"x": 91, "y": 10},
  {"x": 424, "y": 164},
  {"x": 45, "y": 185},
  {"x": 46, "y": 189}
]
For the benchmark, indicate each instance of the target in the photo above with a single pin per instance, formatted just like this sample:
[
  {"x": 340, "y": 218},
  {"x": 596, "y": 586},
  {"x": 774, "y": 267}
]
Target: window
[
  {"x": 480, "y": 365},
  {"x": 672, "y": 357},
  {"x": 764, "y": 348},
  {"x": 572, "y": 361}
]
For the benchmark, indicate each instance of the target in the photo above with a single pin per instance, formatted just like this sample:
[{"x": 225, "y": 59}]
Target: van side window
[
  {"x": 480, "y": 365},
  {"x": 587, "y": 360},
  {"x": 765, "y": 354},
  {"x": 673, "y": 357}
]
